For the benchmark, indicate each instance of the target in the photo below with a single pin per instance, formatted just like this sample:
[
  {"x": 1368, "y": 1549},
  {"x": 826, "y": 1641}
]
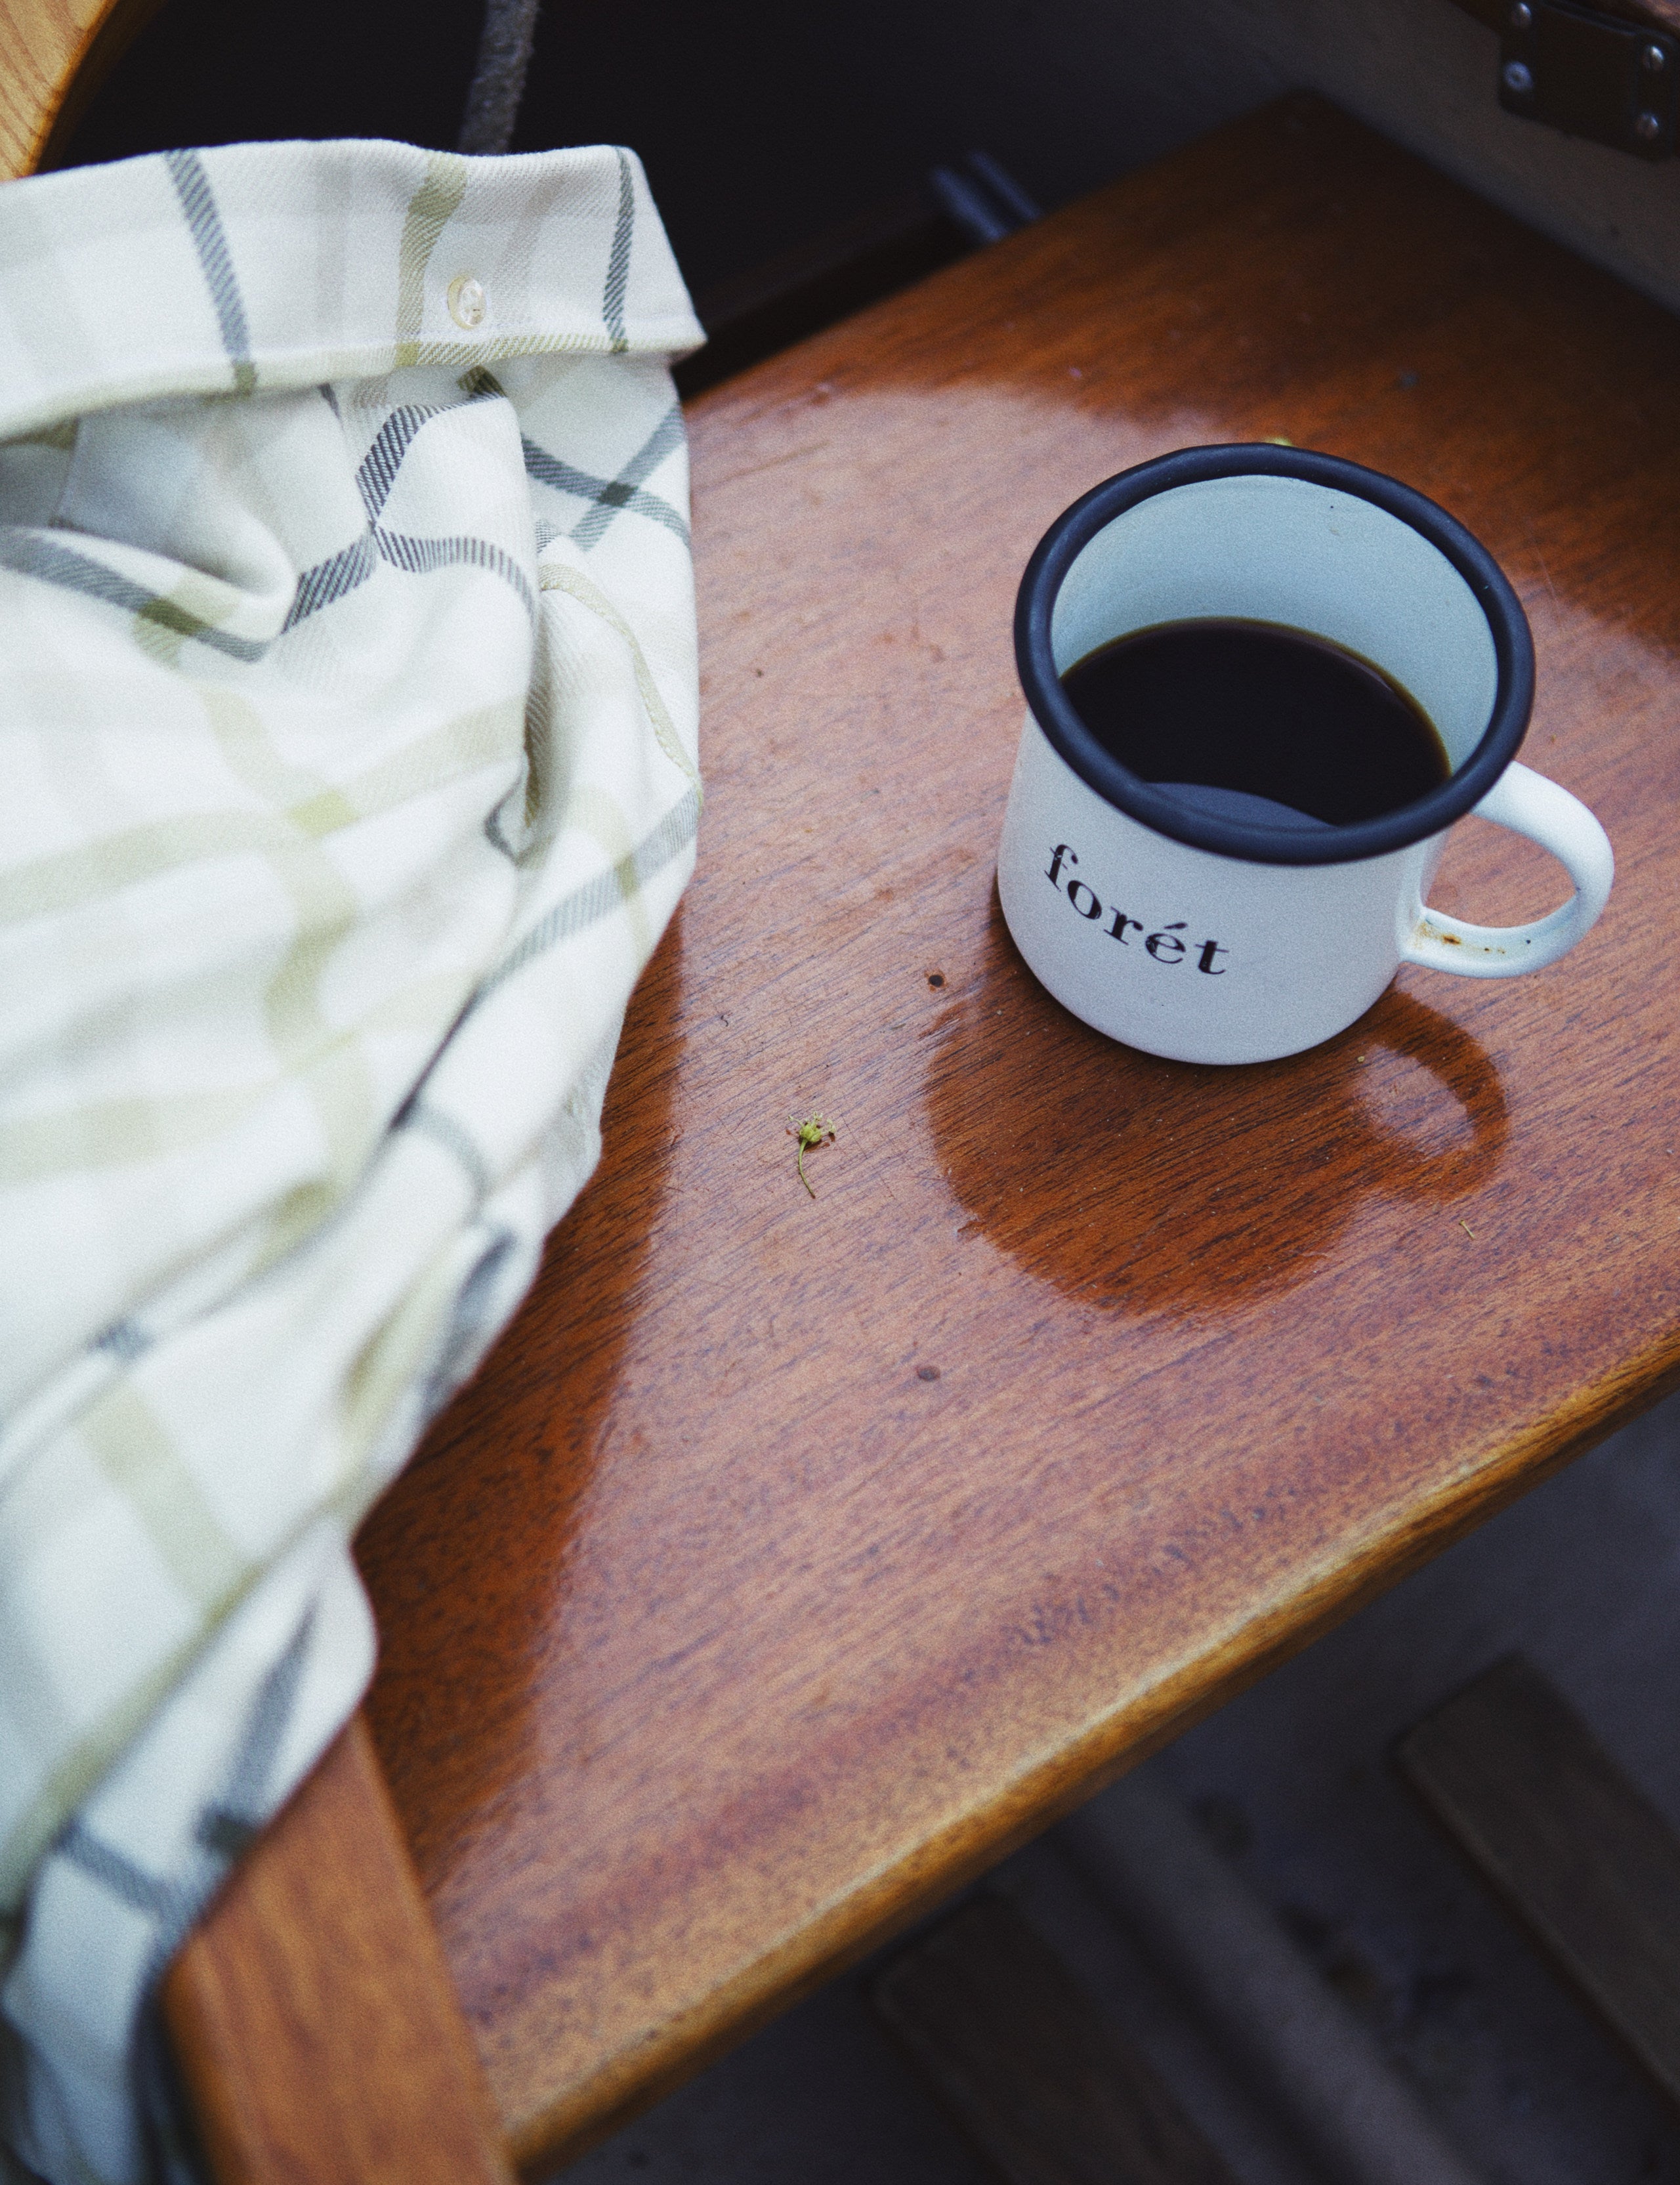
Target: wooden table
[
  {"x": 54, "y": 55},
  {"x": 791, "y": 1560}
]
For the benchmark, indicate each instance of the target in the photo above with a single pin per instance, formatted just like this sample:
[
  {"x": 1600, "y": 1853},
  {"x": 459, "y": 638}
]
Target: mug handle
[{"x": 1528, "y": 804}]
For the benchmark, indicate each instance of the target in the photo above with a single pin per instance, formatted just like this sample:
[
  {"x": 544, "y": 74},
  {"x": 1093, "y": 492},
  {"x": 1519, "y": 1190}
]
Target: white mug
[{"x": 1209, "y": 939}]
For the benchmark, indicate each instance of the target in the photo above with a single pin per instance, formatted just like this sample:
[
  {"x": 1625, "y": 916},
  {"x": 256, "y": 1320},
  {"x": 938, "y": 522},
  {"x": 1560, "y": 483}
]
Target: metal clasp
[{"x": 1590, "y": 74}]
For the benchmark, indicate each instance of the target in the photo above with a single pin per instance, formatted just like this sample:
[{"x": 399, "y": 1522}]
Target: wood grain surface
[
  {"x": 54, "y": 56},
  {"x": 791, "y": 1560},
  {"x": 1582, "y": 1858},
  {"x": 310, "y": 2012}
]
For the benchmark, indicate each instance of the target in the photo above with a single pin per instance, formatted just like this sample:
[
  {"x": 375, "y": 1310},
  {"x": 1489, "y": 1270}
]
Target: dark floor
[{"x": 1292, "y": 1780}]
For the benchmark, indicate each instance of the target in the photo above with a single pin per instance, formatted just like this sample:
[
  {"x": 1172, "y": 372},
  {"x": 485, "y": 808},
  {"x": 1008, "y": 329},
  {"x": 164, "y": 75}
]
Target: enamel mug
[{"x": 1211, "y": 938}]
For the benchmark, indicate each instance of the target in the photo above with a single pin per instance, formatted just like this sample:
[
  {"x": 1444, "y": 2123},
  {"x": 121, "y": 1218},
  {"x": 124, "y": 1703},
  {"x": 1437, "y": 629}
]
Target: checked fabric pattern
[{"x": 348, "y": 779}]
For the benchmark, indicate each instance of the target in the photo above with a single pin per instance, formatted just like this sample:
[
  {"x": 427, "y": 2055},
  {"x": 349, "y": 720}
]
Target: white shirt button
[{"x": 467, "y": 302}]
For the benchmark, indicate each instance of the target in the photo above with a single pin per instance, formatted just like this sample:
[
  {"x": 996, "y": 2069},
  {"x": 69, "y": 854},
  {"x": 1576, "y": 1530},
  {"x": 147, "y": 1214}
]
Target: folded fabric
[{"x": 347, "y": 778}]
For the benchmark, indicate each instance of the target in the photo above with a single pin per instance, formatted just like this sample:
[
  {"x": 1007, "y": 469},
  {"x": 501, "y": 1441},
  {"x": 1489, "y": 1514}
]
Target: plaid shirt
[{"x": 348, "y": 739}]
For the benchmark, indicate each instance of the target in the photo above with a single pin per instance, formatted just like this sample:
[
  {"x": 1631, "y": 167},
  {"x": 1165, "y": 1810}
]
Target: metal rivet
[
  {"x": 1647, "y": 126},
  {"x": 1519, "y": 78},
  {"x": 467, "y": 302},
  {"x": 1653, "y": 58},
  {"x": 1522, "y": 16}
]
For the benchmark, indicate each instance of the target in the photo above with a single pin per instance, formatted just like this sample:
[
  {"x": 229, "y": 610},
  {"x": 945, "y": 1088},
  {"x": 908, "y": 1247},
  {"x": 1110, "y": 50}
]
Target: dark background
[{"x": 760, "y": 125}]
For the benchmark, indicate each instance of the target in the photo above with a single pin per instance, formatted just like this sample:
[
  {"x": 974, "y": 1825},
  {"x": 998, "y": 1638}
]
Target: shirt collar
[{"x": 261, "y": 266}]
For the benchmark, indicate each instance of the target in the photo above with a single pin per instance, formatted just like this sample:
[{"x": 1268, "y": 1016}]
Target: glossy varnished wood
[
  {"x": 789, "y": 1560},
  {"x": 310, "y": 2012}
]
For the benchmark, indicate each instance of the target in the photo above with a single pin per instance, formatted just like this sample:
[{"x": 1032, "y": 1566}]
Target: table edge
[{"x": 884, "y": 1902}]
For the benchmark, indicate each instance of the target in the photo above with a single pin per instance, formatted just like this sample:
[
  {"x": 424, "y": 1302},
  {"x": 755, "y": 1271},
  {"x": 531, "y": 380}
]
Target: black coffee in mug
[{"x": 1251, "y": 721}]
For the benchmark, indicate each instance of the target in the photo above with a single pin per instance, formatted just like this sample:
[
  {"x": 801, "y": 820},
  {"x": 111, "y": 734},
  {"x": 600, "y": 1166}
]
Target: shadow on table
[{"x": 1166, "y": 1186}]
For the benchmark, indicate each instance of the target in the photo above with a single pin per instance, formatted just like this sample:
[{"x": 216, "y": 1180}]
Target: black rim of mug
[{"x": 1076, "y": 526}]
